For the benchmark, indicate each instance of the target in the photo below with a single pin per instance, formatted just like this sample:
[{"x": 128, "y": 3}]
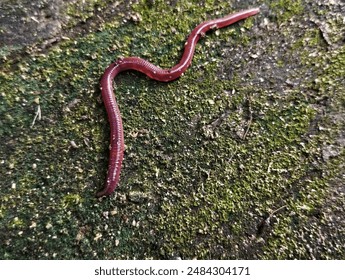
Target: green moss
[
  {"x": 207, "y": 156},
  {"x": 286, "y": 9},
  {"x": 71, "y": 200},
  {"x": 83, "y": 10}
]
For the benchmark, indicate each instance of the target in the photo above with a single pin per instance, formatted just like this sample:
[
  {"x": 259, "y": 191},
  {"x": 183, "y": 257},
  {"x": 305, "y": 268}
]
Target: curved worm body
[{"x": 156, "y": 73}]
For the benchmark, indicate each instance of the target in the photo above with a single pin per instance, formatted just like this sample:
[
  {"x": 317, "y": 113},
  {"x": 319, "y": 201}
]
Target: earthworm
[{"x": 156, "y": 73}]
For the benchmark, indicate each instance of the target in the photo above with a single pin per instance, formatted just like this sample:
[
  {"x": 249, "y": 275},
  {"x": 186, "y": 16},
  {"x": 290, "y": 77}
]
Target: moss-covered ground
[{"x": 241, "y": 158}]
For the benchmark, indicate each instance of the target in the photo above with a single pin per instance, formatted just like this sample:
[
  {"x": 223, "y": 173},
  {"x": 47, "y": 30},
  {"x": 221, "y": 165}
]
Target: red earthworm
[{"x": 156, "y": 73}]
